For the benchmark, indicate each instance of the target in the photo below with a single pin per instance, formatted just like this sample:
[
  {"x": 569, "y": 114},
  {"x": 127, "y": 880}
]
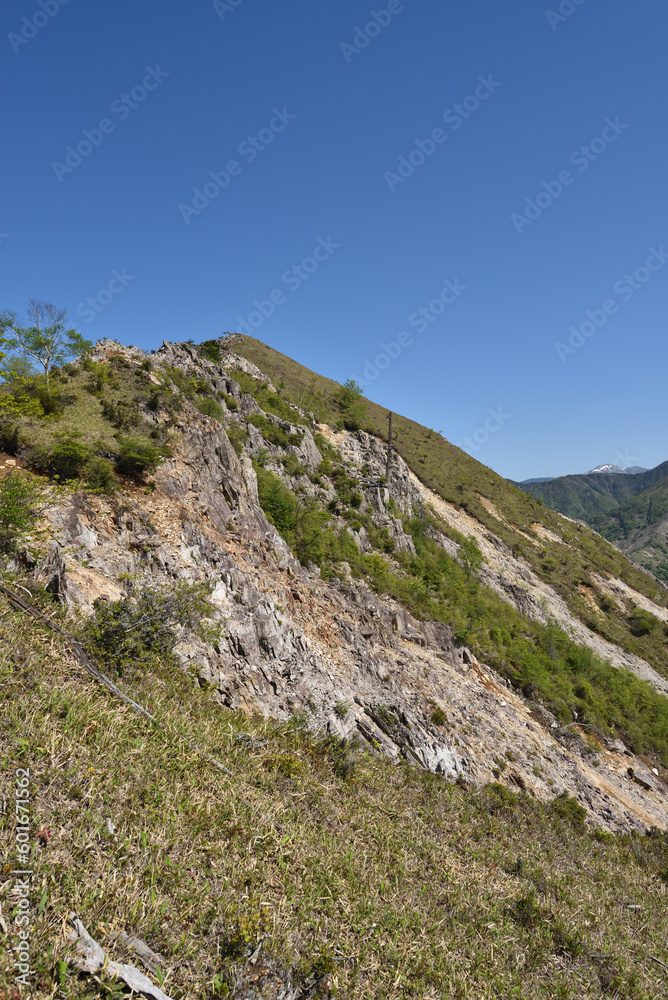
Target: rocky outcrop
[{"x": 360, "y": 665}]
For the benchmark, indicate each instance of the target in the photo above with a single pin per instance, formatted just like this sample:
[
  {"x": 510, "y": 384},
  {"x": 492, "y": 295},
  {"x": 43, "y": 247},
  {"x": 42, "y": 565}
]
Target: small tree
[
  {"x": 351, "y": 404},
  {"x": 146, "y": 623},
  {"x": 471, "y": 557},
  {"x": 46, "y": 340}
]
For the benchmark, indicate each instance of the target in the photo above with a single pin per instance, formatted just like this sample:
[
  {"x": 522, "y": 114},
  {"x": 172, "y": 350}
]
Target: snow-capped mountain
[{"x": 632, "y": 470}]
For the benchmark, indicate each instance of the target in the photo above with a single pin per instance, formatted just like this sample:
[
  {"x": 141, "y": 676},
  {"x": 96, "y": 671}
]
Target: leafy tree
[
  {"x": 471, "y": 557},
  {"x": 46, "y": 340},
  {"x": 15, "y": 399},
  {"x": 349, "y": 394},
  {"x": 351, "y": 404},
  {"x": 15, "y": 368}
]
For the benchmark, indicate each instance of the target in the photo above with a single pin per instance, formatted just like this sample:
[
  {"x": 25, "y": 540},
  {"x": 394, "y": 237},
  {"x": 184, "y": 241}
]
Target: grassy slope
[
  {"x": 396, "y": 882},
  {"x": 462, "y": 480}
]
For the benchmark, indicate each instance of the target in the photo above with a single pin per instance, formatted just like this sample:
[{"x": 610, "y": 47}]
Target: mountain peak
[{"x": 632, "y": 470}]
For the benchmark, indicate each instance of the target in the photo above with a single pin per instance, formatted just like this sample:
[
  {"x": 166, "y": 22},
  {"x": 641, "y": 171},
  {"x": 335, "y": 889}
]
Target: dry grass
[{"x": 389, "y": 880}]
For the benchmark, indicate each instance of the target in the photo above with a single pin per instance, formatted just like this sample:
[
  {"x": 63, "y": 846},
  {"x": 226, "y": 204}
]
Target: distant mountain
[
  {"x": 629, "y": 510},
  {"x": 632, "y": 471},
  {"x": 640, "y": 528},
  {"x": 607, "y": 469}
]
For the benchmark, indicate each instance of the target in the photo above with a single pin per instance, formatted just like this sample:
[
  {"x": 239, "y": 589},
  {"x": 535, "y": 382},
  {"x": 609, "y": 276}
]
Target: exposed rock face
[{"x": 290, "y": 641}]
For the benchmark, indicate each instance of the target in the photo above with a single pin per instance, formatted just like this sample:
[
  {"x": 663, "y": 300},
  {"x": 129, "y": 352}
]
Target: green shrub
[
  {"x": 210, "y": 408},
  {"x": 142, "y": 625},
  {"x": 641, "y": 622},
  {"x": 351, "y": 405},
  {"x": 267, "y": 400},
  {"x": 570, "y": 810},
  {"x": 301, "y": 523},
  {"x": 272, "y": 433},
  {"x": 187, "y": 384},
  {"x": 63, "y": 459},
  {"x": 438, "y": 716},
  {"x": 122, "y": 415},
  {"x": 137, "y": 456},
  {"x": 23, "y": 499},
  {"x": 238, "y": 436},
  {"x": 9, "y": 438},
  {"x": 99, "y": 476},
  {"x": 278, "y": 503},
  {"x": 103, "y": 377},
  {"x": 210, "y": 349}
]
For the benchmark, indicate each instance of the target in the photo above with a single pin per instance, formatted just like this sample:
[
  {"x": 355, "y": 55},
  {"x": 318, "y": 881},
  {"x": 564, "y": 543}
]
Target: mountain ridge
[{"x": 630, "y": 511}]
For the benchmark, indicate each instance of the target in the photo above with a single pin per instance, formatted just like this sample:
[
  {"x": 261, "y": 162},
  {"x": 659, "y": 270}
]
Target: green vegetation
[
  {"x": 136, "y": 456},
  {"x": 23, "y": 500},
  {"x": 87, "y": 423},
  {"x": 140, "y": 628},
  {"x": 273, "y": 433},
  {"x": 45, "y": 340},
  {"x": 540, "y": 660},
  {"x": 577, "y": 559},
  {"x": 210, "y": 408},
  {"x": 351, "y": 404},
  {"x": 357, "y": 877},
  {"x": 64, "y": 459},
  {"x": 629, "y": 510},
  {"x": 299, "y": 522},
  {"x": 267, "y": 400}
]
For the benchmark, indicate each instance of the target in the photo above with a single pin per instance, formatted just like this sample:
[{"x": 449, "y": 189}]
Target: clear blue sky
[{"x": 341, "y": 108}]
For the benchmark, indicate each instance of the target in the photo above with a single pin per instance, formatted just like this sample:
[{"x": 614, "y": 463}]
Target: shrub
[
  {"x": 121, "y": 415},
  {"x": 137, "y": 456},
  {"x": 22, "y": 500},
  {"x": 102, "y": 377},
  {"x": 350, "y": 403},
  {"x": 238, "y": 436},
  {"x": 143, "y": 623},
  {"x": 63, "y": 459},
  {"x": 272, "y": 433},
  {"x": 9, "y": 438},
  {"x": 210, "y": 408},
  {"x": 210, "y": 349},
  {"x": 438, "y": 716},
  {"x": 278, "y": 503},
  {"x": 570, "y": 810},
  {"x": 641, "y": 622},
  {"x": 99, "y": 476}
]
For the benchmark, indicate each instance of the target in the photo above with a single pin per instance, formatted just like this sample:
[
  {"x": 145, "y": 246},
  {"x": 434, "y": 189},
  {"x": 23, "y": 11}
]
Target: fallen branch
[{"x": 93, "y": 959}]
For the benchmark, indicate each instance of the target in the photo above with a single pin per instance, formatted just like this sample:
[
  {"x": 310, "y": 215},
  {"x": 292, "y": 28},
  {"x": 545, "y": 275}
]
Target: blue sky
[{"x": 307, "y": 115}]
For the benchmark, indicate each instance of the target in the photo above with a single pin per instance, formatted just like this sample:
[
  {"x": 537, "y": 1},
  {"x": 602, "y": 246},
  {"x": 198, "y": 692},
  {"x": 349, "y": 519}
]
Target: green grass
[{"x": 389, "y": 881}]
